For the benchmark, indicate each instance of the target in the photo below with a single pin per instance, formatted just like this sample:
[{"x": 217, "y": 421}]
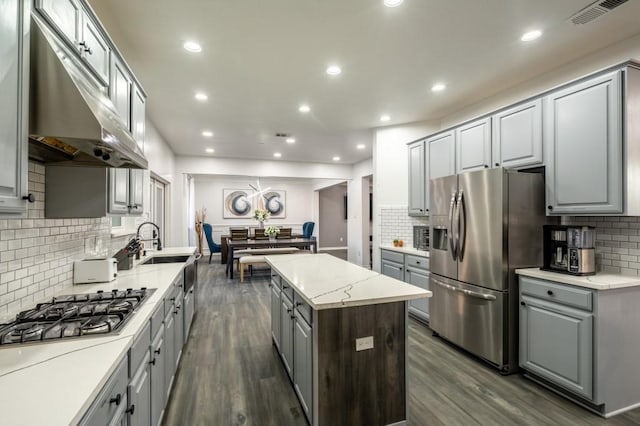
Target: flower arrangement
[
  {"x": 261, "y": 214},
  {"x": 271, "y": 231}
]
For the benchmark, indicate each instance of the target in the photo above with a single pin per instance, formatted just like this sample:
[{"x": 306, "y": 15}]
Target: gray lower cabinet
[
  {"x": 411, "y": 269},
  {"x": 110, "y": 406},
  {"x": 139, "y": 393},
  {"x": 158, "y": 355},
  {"x": 556, "y": 343},
  {"x": 303, "y": 363},
  {"x": 581, "y": 342},
  {"x": 419, "y": 278},
  {"x": 275, "y": 311},
  {"x": 14, "y": 57},
  {"x": 179, "y": 328},
  {"x": 286, "y": 332},
  {"x": 188, "y": 307},
  {"x": 169, "y": 350}
]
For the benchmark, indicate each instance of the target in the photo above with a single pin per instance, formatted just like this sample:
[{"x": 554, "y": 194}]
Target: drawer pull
[
  {"x": 117, "y": 399},
  {"x": 417, "y": 262},
  {"x": 550, "y": 293}
]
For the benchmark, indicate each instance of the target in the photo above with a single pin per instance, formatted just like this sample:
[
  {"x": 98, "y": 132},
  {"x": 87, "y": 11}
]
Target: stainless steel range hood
[{"x": 72, "y": 120}]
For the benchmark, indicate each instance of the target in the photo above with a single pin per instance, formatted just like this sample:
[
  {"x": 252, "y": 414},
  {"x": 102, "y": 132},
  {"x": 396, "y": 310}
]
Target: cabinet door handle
[
  {"x": 550, "y": 293},
  {"x": 298, "y": 304},
  {"x": 157, "y": 351},
  {"x": 85, "y": 48},
  {"x": 522, "y": 303},
  {"x": 117, "y": 399},
  {"x": 131, "y": 409},
  {"x": 497, "y": 164},
  {"x": 152, "y": 362},
  {"x": 284, "y": 287},
  {"x": 408, "y": 270},
  {"x": 289, "y": 311},
  {"x": 30, "y": 198},
  {"x": 486, "y": 166},
  {"x": 550, "y": 207}
]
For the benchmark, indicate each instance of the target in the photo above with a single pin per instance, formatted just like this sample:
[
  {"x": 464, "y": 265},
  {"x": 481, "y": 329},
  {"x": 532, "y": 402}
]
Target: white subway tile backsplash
[
  {"x": 37, "y": 254},
  {"x": 395, "y": 223}
]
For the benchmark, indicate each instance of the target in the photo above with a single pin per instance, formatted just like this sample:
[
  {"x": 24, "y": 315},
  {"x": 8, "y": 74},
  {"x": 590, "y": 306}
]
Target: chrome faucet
[{"x": 156, "y": 234}]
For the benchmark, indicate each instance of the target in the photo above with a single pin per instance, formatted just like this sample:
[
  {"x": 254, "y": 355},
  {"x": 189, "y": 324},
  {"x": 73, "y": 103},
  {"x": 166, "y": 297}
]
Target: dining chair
[
  {"x": 213, "y": 247},
  {"x": 258, "y": 234},
  {"x": 307, "y": 229},
  {"x": 239, "y": 233},
  {"x": 285, "y": 233}
]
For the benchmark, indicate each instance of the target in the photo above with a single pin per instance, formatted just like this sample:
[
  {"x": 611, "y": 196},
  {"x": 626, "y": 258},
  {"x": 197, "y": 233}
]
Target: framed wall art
[
  {"x": 275, "y": 201},
  {"x": 237, "y": 204}
]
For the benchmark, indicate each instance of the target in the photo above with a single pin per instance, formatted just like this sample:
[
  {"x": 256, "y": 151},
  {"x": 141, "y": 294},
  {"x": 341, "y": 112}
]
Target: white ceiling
[{"x": 262, "y": 58}]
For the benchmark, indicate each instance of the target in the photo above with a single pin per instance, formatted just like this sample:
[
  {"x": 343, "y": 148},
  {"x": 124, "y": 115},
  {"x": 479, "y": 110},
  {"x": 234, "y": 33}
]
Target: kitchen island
[
  {"x": 341, "y": 332},
  {"x": 58, "y": 382}
]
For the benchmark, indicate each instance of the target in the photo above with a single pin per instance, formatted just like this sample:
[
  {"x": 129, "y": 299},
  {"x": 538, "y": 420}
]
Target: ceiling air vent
[{"x": 595, "y": 10}]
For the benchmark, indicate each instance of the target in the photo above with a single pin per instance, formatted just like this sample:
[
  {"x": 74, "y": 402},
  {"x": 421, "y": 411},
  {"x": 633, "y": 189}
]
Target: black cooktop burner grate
[{"x": 74, "y": 315}]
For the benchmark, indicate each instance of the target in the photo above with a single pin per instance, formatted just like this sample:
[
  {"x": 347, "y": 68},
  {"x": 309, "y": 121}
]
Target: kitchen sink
[{"x": 165, "y": 259}]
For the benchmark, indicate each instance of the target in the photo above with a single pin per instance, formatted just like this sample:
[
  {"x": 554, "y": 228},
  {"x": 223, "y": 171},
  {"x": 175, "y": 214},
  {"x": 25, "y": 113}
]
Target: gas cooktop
[{"x": 74, "y": 315}]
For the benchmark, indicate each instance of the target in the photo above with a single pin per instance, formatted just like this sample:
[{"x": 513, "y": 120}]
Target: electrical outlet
[{"x": 364, "y": 343}]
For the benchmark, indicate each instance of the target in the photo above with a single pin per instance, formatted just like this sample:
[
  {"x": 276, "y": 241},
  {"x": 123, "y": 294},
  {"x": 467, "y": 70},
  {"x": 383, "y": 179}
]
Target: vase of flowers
[
  {"x": 261, "y": 215},
  {"x": 271, "y": 232}
]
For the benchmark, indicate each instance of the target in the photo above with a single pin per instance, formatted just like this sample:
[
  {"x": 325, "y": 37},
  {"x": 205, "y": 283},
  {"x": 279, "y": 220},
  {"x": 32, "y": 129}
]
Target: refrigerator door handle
[
  {"x": 462, "y": 225},
  {"x": 452, "y": 205},
  {"x": 470, "y": 293}
]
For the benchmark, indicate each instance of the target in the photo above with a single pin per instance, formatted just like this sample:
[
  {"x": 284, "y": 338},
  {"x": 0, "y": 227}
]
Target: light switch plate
[{"x": 364, "y": 343}]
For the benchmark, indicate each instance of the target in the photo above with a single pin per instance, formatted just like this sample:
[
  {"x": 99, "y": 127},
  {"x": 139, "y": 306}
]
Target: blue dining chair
[
  {"x": 307, "y": 229},
  {"x": 213, "y": 247}
]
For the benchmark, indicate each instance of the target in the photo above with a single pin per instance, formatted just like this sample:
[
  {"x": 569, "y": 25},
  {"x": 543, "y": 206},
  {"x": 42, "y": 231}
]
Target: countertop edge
[
  {"x": 405, "y": 250},
  {"x": 622, "y": 281}
]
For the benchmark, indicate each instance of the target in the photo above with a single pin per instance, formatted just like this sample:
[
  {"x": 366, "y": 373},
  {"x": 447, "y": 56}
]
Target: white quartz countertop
[
  {"x": 326, "y": 282},
  {"x": 405, "y": 250},
  {"x": 55, "y": 383},
  {"x": 598, "y": 281}
]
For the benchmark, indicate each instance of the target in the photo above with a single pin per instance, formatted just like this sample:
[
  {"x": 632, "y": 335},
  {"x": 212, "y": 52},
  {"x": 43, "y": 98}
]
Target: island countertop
[{"x": 326, "y": 282}]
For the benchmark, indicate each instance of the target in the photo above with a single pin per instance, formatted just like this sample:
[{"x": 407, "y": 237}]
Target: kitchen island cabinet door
[
  {"x": 275, "y": 314},
  {"x": 286, "y": 336},
  {"x": 14, "y": 57},
  {"x": 517, "y": 136},
  {"x": 556, "y": 343},
  {"x": 303, "y": 363},
  {"x": 583, "y": 146},
  {"x": 473, "y": 146}
]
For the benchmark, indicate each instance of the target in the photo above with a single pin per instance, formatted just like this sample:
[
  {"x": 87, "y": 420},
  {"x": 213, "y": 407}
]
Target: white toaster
[{"x": 95, "y": 270}]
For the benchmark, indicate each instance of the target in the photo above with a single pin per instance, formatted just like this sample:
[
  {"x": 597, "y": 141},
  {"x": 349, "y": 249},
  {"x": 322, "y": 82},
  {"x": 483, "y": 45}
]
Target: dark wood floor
[{"x": 230, "y": 373}]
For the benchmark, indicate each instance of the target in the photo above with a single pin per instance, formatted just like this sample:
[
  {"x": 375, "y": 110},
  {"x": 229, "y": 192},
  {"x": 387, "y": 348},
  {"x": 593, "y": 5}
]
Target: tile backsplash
[
  {"x": 37, "y": 254},
  {"x": 395, "y": 223},
  {"x": 617, "y": 242}
]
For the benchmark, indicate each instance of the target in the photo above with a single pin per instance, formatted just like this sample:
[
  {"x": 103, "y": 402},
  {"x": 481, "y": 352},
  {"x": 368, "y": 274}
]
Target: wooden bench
[{"x": 257, "y": 257}]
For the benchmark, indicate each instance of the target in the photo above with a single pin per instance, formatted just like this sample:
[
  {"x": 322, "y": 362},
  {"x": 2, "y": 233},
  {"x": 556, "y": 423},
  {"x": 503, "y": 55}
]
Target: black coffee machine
[{"x": 569, "y": 249}]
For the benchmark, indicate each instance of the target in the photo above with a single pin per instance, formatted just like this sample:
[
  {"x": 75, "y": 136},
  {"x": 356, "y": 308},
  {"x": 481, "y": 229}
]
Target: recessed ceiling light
[
  {"x": 201, "y": 96},
  {"x": 385, "y": 117},
  {"x": 210, "y": 150},
  {"x": 207, "y": 133},
  {"x": 336, "y": 158},
  {"x": 438, "y": 87},
  {"x": 531, "y": 35},
  {"x": 392, "y": 3},
  {"x": 304, "y": 108},
  {"x": 361, "y": 146},
  {"x": 334, "y": 70},
  {"x": 192, "y": 46},
  {"x": 290, "y": 140},
  {"x": 277, "y": 154}
]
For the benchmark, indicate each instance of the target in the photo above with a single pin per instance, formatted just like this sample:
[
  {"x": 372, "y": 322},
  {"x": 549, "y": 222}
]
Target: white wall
[
  {"x": 390, "y": 171},
  {"x": 358, "y": 221},
  {"x": 208, "y": 193}
]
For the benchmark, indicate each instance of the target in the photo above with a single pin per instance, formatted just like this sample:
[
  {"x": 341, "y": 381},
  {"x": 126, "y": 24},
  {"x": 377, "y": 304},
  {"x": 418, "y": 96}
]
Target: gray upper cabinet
[
  {"x": 418, "y": 188},
  {"x": 136, "y": 191},
  {"x": 63, "y": 15},
  {"x": 14, "y": 60},
  {"x": 517, "y": 136},
  {"x": 119, "y": 191},
  {"x": 583, "y": 146},
  {"x": 138, "y": 107},
  {"x": 120, "y": 91},
  {"x": 94, "y": 48},
  {"x": 473, "y": 146},
  {"x": 441, "y": 156}
]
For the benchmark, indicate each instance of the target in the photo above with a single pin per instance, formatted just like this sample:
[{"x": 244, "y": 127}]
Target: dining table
[
  {"x": 232, "y": 245},
  {"x": 227, "y": 237}
]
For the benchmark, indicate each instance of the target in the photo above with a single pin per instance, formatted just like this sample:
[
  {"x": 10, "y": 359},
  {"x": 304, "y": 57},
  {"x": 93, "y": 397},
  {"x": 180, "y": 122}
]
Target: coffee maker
[{"x": 569, "y": 249}]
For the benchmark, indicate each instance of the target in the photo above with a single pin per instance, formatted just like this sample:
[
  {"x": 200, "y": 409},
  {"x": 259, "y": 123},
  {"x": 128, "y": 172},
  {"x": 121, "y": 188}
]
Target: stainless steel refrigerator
[{"x": 483, "y": 225}]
